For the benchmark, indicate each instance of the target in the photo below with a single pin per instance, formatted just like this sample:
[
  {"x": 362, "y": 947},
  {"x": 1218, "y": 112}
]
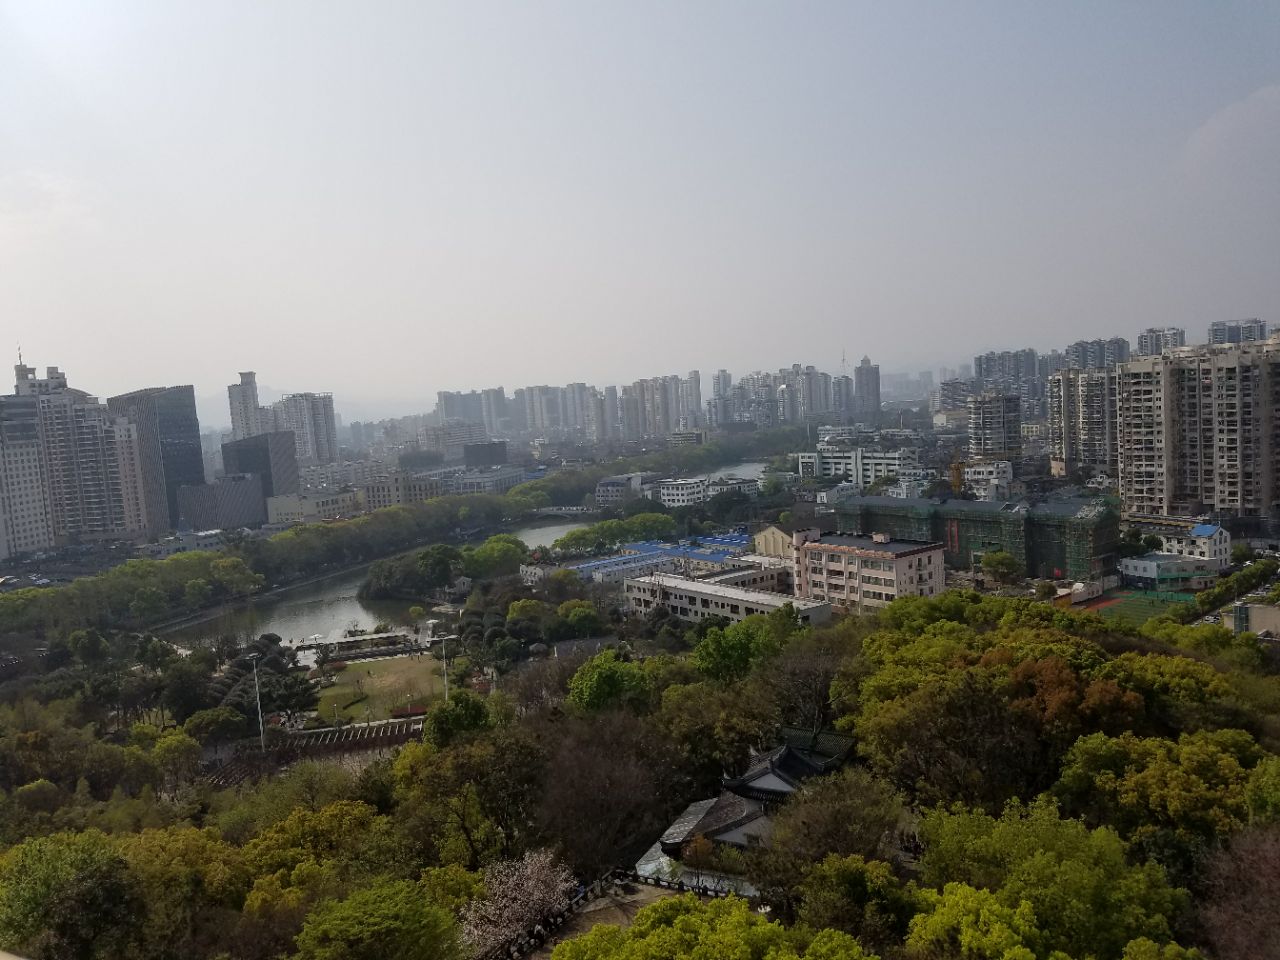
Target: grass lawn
[
  {"x": 1136, "y": 605},
  {"x": 387, "y": 685}
]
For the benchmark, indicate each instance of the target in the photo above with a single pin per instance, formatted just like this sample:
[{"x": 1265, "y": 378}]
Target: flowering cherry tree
[{"x": 519, "y": 894}]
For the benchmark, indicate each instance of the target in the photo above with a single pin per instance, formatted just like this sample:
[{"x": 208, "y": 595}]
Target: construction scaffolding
[{"x": 1066, "y": 539}]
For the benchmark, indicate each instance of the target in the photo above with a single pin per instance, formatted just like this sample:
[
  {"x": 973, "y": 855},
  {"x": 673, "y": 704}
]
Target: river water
[
  {"x": 327, "y": 608},
  {"x": 331, "y": 607}
]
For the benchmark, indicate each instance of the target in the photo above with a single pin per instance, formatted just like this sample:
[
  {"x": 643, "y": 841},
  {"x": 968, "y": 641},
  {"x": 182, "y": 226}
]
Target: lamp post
[{"x": 257, "y": 693}]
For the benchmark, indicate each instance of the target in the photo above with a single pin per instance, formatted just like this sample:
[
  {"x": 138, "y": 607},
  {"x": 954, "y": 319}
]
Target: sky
[{"x": 387, "y": 199}]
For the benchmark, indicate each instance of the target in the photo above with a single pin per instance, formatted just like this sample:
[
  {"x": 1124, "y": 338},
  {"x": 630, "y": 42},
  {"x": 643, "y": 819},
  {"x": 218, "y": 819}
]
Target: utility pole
[
  {"x": 444, "y": 659},
  {"x": 257, "y": 693}
]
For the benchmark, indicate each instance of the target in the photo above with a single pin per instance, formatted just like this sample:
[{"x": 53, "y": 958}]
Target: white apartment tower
[
  {"x": 1082, "y": 422},
  {"x": 1198, "y": 431},
  {"x": 93, "y": 470},
  {"x": 315, "y": 429},
  {"x": 246, "y": 414}
]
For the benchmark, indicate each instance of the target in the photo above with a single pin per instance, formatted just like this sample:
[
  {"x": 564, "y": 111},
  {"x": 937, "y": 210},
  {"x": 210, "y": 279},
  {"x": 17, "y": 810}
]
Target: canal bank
[{"x": 327, "y": 605}]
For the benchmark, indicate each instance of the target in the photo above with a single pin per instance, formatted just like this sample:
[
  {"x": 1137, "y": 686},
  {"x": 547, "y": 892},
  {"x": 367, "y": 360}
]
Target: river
[{"x": 329, "y": 607}]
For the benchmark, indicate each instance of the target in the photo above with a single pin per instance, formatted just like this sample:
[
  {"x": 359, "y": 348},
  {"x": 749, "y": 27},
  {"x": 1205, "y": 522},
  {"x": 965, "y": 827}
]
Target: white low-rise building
[
  {"x": 860, "y": 466},
  {"x": 1205, "y": 541},
  {"x": 989, "y": 479},
  {"x": 312, "y": 507},
  {"x": 675, "y": 493},
  {"x": 693, "y": 600},
  {"x": 741, "y": 485},
  {"x": 1168, "y": 572}
]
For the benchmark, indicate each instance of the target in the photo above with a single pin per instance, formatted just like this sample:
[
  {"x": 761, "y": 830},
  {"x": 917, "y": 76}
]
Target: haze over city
[{"x": 388, "y": 201}]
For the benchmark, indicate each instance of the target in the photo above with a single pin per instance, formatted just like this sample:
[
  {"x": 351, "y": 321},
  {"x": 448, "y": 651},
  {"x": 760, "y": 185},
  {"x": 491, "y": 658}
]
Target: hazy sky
[{"x": 385, "y": 199}]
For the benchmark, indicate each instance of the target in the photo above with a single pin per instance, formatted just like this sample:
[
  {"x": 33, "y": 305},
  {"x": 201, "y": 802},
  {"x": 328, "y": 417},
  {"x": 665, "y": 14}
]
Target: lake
[{"x": 327, "y": 608}]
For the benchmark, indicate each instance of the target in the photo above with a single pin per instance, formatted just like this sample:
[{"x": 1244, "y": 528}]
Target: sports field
[
  {"x": 384, "y": 685},
  {"x": 1136, "y": 605}
]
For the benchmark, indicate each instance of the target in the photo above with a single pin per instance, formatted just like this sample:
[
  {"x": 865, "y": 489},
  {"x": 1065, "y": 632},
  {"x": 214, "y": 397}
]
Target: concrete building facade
[
  {"x": 1083, "y": 434},
  {"x": 92, "y": 470},
  {"x": 169, "y": 448},
  {"x": 693, "y": 600},
  {"x": 1198, "y": 432},
  {"x": 272, "y": 456},
  {"x": 867, "y": 572},
  {"x": 25, "y": 522},
  {"x": 995, "y": 426},
  {"x": 1154, "y": 341}
]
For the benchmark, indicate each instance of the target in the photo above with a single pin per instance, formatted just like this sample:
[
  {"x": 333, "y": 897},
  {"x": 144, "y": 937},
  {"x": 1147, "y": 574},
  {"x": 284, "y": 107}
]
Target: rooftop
[
  {"x": 740, "y": 594},
  {"x": 1205, "y": 530},
  {"x": 871, "y": 545}
]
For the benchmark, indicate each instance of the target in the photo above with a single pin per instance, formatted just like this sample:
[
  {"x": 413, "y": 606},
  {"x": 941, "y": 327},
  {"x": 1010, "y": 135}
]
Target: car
[{"x": 1212, "y": 619}]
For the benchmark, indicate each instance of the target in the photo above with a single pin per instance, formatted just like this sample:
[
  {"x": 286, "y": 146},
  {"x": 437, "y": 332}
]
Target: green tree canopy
[{"x": 387, "y": 920}]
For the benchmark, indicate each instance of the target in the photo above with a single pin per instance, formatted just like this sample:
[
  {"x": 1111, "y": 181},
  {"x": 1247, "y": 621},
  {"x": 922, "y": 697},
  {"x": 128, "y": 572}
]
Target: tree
[
  {"x": 526, "y": 609},
  {"x": 861, "y": 897},
  {"x": 177, "y": 756},
  {"x": 499, "y": 556},
  {"x": 606, "y": 680},
  {"x": 291, "y": 694},
  {"x": 387, "y": 920},
  {"x": 964, "y": 922},
  {"x": 1091, "y": 900},
  {"x": 611, "y": 770},
  {"x": 186, "y": 689},
  {"x": 1002, "y": 566},
  {"x": 197, "y": 593},
  {"x": 464, "y": 713},
  {"x": 437, "y": 565},
  {"x": 68, "y": 896},
  {"x": 193, "y": 884},
  {"x": 1170, "y": 799},
  {"x": 845, "y": 814},
  {"x": 517, "y": 895},
  {"x": 684, "y": 927},
  {"x": 1242, "y": 553},
  {"x": 1238, "y": 912},
  {"x": 1045, "y": 590},
  {"x": 728, "y": 654}
]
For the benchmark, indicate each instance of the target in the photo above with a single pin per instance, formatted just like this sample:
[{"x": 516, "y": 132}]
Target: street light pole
[
  {"x": 257, "y": 693},
  {"x": 444, "y": 659}
]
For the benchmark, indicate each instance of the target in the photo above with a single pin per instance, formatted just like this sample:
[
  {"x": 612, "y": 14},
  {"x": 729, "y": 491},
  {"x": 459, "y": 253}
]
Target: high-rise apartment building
[
  {"x": 315, "y": 429},
  {"x": 92, "y": 461},
  {"x": 493, "y": 410},
  {"x": 995, "y": 426},
  {"x": 1237, "y": 331},
  {"x": 25, "y": 523},
  {"x": 246, "y": 413},
  {"x": 1198, "y": 431},
  {"x": 169, "y": 447},
  {"x": 1096, "y": 354},
  {"x": 454, "y": 405},
  {"x": 1082, "y": 422},
  {"x": 1154, "y": 341},
  {"x": 866, "y": 391}
]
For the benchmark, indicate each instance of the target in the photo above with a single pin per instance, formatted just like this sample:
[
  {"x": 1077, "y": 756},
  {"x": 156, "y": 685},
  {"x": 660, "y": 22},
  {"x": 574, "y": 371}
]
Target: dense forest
[{"x": 1029, "y": 784}]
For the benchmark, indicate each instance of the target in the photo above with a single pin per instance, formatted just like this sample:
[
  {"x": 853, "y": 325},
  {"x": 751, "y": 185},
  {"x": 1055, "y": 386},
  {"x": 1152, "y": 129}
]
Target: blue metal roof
[
  {"x": 1205, "y": 529},
  {"x": 680, "y": 550}
]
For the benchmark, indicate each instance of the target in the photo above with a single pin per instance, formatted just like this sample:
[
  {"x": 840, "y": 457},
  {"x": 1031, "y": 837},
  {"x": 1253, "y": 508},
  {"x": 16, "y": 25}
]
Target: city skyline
[{"x": 736, "y": 174}]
